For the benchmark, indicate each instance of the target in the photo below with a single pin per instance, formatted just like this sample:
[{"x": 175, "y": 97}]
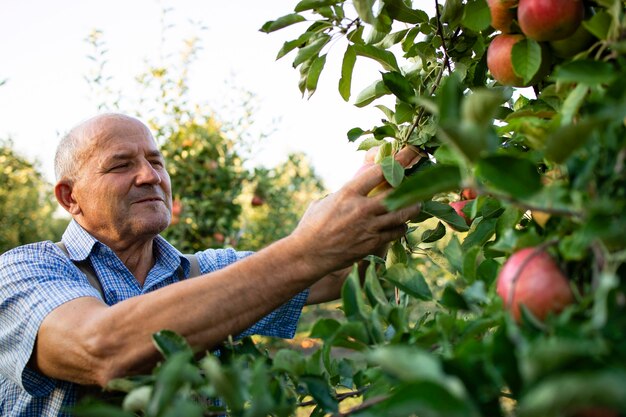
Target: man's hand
[{"x": 346, "y": 226}]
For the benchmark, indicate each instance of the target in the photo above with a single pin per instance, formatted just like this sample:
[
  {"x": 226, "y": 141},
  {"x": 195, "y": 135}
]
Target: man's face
[{"x": 122, "y": 190}]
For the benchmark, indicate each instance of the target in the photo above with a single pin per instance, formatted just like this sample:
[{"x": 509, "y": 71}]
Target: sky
[{"x": 43, "y": 57}]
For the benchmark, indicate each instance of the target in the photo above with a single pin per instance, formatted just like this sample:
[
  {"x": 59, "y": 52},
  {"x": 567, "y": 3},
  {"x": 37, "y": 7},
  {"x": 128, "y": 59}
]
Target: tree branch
[{"x": 365, "y": 404}]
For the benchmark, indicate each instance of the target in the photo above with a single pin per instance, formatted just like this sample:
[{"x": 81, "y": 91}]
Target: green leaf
[
  {"x": 399, "y": 11},
  {"x": 572, "y": 103},
  {"x": 373, "y": 290},
  {"x": 168, "y": 343},
  {"x": 570, "y": 392},
  {"x": 282, "y": 22},
  {"x": 449, "y": 97},
  {"x": 404, "y": 113},
  {"x": 562, "y": 143},
  {"x": 296, "y": 43},
  {"x": 483, "y": 104},
  {"x": 314, "y": 74},
  {"x": 476, "y": 15},
  {"x": 385, "y": 131},
  {"x": 423, "y": 185},
  {"x": 452, "y": 12},
  {"x": 227, "y": 383},
  {"x": 321, "y": 392},
  {"x": 169, "y": 380},
  {"x": 585, "y": 71},
  {"x": 288, "y": 360},
  {"x": 385, "y": 58},
  {"x": 407, "y": 363},
  {"x": 325, "y": 328},
  {"x": 399, "y": 86},
  {"x": 468, "y": 139},
  {"x": 452, "y": 299},
  {"x": 314, "y": 4},
  {"x": 409, "y": 280},
  {"x": 446, "y": 213},
  {"x": 598, "y": 25},
  {"x": 423, "y": 399},
  {"x": 392, "y": 170},
  {"x": 311, "y": 50},
  {"x": 351, "y": 295},
  {"x": 347, "y": 68},
  {"x": 364, "y": 10},
  {"x": 355, "y": 133},
  {"x": 514, "y": 176},
  {"x": 481, "y": 235},
  {"x": 433, "y": 235},
  {"x": 371, "y": 93},
  {"x": 526, "y": 58}
]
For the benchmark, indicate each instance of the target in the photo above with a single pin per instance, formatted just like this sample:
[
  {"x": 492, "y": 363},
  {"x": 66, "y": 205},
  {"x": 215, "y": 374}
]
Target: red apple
[
  {"x": 531, "y": 278},
  {"x": 257, "y": 200},
  {"x": 219, "y": 237},
  {"x": 502, "y": 14},
  {"x": 458, "y": 207},
  {"x": 500, "y": 63},
  {"x": 177, "y": 209},
  {"x": 549, "y": 20},
  {"x": 468, "y": 194}
]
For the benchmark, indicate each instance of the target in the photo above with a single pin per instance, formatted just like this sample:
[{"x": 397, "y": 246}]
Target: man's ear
[{"x": 63, "y": 191}]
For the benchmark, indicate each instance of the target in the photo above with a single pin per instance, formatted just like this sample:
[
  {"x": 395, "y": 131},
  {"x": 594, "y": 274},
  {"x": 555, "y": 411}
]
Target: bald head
[{"x": 74, "y": 146}]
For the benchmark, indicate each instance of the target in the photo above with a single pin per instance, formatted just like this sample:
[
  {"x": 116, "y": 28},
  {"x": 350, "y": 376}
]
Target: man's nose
[{"x": 147, "y": 174}]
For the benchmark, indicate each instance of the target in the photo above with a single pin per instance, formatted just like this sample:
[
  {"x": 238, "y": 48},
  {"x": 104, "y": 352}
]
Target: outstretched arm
[{"x": 87, "y": 342}]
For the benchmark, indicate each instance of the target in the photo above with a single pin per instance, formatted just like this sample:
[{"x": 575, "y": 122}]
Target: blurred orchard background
[{"x": 244, "y": 154}]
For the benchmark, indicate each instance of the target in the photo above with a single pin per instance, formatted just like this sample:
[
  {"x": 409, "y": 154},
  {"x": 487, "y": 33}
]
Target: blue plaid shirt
[{"x": 37, "y": 278}]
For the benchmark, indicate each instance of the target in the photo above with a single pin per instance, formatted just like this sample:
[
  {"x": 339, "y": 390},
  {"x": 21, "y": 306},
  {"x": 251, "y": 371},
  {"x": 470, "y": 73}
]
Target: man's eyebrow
[
  {"x": 128, "y": 155},
  {"x": 154, "y": 153}
]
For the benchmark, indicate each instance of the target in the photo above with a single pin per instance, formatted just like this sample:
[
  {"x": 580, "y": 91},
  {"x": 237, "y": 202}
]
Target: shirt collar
[{"x": 80, "y": 244}]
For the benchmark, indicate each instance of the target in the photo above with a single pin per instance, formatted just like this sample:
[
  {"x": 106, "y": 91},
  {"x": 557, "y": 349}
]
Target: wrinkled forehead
[{"x": 102, "y": 135}]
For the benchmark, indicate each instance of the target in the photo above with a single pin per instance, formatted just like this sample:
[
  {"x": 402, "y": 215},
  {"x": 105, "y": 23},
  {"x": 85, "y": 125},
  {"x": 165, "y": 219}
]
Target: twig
[
  {"x": 340, "y": 397},
  {"x": 365, "y": 404},
  {"x": 446, "y": 61},
  {"x": 435, "y": 85}
]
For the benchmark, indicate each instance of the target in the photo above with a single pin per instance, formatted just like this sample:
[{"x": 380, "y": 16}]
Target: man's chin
[{"x": 152, "y": 226}]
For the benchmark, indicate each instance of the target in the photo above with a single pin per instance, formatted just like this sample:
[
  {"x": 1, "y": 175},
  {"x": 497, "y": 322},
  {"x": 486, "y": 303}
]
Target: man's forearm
[{"x": 116, "y": 340}]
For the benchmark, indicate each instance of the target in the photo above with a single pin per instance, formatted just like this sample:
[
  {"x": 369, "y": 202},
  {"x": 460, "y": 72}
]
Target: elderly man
[{"x": 58, "y": 332}]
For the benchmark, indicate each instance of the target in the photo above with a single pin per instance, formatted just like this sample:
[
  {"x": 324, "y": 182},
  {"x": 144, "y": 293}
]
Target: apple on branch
[
  {"x": 500, "y": 61},
  {"x": 549, "y": 20},
  {"x": 502, "y": 14},
  {"x": 530, "y": 277}
]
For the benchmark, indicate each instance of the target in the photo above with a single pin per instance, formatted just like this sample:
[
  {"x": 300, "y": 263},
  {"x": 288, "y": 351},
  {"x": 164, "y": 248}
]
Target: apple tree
[
  {"x": 27, "y": 203},
  {"x": 511, "y": 305}
]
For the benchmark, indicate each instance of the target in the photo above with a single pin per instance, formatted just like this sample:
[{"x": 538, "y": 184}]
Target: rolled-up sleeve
[{"x": 34, "y": 280}]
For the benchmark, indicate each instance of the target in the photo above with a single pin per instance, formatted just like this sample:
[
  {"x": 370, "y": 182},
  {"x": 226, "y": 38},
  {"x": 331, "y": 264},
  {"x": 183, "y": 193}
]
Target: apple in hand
[
  {"x": 531, "y": 278},
  {"x": 502, "y": 14},
  {"x": 549, "y": 20}
]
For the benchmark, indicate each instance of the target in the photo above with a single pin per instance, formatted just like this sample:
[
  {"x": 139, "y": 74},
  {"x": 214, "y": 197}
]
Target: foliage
[
  {"x": 26, "y": 202},
  {"x": 425, "y": 331},
  {"x": 206, "y": 156},
  {"x": 284, "y": 191}
]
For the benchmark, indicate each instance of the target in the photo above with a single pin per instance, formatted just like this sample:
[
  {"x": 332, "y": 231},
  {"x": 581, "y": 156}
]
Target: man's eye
[
  {"x": 157, "y": 163},
  {"x": 119, "y": 167}
]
